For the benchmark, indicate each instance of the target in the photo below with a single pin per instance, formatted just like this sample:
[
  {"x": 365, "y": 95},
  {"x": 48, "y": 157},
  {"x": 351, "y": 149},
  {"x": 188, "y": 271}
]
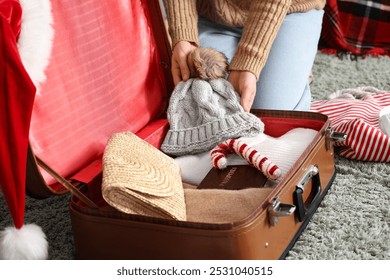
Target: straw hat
[{"x": 140, "y": 179}]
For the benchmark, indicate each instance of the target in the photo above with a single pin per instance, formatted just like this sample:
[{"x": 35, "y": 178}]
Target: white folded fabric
[
  {"x": 384, "y": 120},
  {"x": 283, "y": 151}
]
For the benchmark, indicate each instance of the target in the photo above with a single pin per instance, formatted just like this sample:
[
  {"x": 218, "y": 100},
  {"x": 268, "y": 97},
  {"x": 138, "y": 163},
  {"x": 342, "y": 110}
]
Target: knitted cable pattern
[
  {"x": 202, "y": 114},
  {"x": 207, "y": 102},
  {"x": 219, "y": 153}
]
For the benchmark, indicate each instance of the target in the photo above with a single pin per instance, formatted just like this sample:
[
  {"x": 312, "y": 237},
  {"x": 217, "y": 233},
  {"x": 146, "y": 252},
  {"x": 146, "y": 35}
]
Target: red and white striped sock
[{"x": 254, "y": 158}]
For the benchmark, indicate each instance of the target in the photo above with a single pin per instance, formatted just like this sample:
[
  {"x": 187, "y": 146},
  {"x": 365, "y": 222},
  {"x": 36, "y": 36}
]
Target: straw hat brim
[{"x": 140, "y": 179}]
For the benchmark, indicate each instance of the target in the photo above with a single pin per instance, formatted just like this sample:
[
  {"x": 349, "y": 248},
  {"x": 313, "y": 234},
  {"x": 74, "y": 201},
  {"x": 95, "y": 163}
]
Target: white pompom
[{"x": 27, "y": 243}]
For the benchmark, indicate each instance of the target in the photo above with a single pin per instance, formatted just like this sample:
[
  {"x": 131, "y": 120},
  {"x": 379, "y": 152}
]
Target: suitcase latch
[
  {"x": 333, "y": 136},
  {"x": 278, "y": 209}
]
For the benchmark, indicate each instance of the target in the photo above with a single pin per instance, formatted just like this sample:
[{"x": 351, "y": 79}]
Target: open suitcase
[{"x": 110, "y": 72}]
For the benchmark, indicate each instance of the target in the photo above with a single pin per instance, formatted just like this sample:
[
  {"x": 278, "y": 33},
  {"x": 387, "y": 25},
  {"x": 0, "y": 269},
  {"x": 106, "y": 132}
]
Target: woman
[{"x": 270, "y": 44}]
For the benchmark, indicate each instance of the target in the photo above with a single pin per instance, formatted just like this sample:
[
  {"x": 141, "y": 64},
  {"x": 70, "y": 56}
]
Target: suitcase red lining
[
  {"x": 155, "y": 134},
  {"x": 101, "y": 79},
  {"x": 155, "y": 84},
  {"x": 155, "y": 130}
]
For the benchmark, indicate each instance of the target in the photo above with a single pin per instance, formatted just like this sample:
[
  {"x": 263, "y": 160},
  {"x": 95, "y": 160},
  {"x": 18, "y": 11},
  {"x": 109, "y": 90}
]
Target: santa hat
[{"x": 25, "y": 36}]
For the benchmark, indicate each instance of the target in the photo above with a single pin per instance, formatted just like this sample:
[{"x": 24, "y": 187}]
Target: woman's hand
[
  {"x": 244, "y": 82},
  {"x": 180, "y": 69}
]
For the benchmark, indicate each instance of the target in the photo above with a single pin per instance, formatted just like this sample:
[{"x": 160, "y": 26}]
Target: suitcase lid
[
  {"x": 108, "y": 71},
  {"x": 106, "y": 57}
]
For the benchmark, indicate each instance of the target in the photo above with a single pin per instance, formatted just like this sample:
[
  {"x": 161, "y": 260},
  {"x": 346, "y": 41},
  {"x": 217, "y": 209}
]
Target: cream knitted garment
[{"x": 283, "y": 151}]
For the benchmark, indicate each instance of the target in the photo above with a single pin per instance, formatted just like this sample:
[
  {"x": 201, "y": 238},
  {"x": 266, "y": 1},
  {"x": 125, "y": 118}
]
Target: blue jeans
[{"x": 283, "y": 82}]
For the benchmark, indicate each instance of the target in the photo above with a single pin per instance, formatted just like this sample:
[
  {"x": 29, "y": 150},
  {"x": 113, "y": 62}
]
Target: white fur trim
[
  {"x": 36, "y": 38},
  {"x": 27, "y": 243}
]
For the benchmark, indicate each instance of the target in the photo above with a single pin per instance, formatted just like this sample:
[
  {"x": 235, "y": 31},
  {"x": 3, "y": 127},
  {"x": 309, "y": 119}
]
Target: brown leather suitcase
[{"x": 110, "y": 72}]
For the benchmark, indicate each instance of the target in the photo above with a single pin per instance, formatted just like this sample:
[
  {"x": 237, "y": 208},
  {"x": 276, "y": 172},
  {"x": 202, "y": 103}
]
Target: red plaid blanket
[{"x": 360, "y": 27}]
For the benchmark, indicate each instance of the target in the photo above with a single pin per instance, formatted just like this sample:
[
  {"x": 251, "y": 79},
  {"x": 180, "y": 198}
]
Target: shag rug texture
[{"x": 353, "y": 220}]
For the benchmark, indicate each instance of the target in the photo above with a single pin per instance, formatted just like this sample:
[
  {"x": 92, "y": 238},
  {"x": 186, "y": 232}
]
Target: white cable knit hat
[{"x": 203, "y": 114}]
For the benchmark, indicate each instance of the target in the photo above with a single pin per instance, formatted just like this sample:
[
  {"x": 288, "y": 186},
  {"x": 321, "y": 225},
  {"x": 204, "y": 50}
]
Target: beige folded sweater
[{"x": 218, "y": 206}]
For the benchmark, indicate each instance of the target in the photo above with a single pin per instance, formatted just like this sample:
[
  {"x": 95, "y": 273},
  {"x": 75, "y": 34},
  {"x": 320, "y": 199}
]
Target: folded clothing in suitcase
[
  {"x": 114, "y": 77},
  {"x": 140, "y": 179},
  {"x": 254, "y": 223}
]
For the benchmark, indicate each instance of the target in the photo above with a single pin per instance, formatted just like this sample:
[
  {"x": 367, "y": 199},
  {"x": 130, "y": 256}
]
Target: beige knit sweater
[{"x": 261, "y": 20}]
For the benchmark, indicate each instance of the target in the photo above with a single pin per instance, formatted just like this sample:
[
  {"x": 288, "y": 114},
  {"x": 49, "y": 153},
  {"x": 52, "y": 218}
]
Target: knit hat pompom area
[{"x": 203, "y": 114}]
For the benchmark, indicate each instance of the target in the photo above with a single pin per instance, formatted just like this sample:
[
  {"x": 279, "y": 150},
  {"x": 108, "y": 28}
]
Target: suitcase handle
[
  {"x": 65, "y": 183},
  {"x": 312, "y": 175}
]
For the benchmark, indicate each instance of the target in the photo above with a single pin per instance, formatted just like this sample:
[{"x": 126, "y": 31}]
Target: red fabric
[
  {"x": 358, "y": 27},
  {"x": 359, "y": 120},
  {"x": 16, "y": 102},
  {"x": 364, "y": 142},
  {"x": 11, "y": 12},
  {"x": 103, "y": 77}
]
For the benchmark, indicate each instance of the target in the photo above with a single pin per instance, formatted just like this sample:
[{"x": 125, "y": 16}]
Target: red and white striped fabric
[
  {"x": 356, "y": 112},
  {"x": 254, "y": 158}
]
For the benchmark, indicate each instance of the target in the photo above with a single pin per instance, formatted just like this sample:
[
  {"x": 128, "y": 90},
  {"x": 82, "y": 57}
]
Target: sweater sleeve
[
  {"x": 260, "y": 29},
  {"x": 182, "y": 20}
]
